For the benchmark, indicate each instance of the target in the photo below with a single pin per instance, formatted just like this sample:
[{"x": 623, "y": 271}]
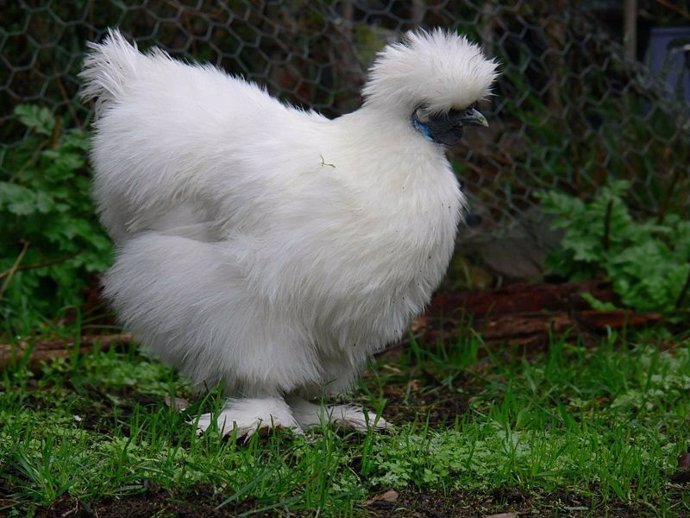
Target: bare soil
[{"x": 203, "y": 502}]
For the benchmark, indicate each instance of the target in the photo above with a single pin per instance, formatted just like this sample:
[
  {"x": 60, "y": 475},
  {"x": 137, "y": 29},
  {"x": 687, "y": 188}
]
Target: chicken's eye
[{"x": 422, "y": 114}]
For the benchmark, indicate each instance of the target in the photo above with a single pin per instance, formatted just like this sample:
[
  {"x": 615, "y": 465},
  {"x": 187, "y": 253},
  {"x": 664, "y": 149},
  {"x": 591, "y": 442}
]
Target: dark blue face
[{"x": 446, "y": 128}]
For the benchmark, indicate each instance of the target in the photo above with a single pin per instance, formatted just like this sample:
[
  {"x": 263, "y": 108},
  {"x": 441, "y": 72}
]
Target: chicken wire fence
[{"x": 569, "y": 112}]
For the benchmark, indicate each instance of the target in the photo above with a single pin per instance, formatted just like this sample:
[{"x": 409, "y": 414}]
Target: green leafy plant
[
  {"x": 648, "y": 262},
  {"x": 50, "y": 240}
]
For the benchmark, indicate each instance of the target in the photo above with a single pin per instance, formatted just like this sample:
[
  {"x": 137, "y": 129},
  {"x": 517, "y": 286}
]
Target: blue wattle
[{"x": 422, "y": 128}]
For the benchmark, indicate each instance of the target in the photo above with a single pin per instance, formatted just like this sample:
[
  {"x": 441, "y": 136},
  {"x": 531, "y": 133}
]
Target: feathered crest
[{"x": 438, "y": 69}]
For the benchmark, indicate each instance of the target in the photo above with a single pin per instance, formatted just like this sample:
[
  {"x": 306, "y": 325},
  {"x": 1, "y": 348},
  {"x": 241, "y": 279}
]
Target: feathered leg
[
  {"x": 309, "y": 415},
  {"x": 248, "y": 416}
]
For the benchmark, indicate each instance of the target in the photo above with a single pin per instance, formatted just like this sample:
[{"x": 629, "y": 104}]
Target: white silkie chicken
[{"x": 271, "y": 249}]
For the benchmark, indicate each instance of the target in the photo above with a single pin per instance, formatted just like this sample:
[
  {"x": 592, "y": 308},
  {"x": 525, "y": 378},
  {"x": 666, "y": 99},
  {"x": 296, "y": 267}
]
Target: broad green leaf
[
  {"x": 35, "y": 117},
  {"x": 17, "y": 199}
]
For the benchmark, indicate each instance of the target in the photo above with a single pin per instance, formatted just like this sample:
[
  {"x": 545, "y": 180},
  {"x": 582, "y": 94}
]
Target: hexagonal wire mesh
[{"x": 569, "y": 111}]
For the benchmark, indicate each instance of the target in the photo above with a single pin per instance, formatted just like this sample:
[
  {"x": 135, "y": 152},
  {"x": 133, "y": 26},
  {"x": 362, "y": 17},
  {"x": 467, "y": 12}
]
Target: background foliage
[
  {"x": 648, "y": 261},
  {"x": 570, "y": 116},
  {"x": 45, "y": 207}
]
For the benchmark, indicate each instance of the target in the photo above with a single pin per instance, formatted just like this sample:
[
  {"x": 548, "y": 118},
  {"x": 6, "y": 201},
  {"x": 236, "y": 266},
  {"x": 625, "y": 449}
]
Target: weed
[
  {"x": 648, "y": 262},
  {"x": 50, "y": 240}
]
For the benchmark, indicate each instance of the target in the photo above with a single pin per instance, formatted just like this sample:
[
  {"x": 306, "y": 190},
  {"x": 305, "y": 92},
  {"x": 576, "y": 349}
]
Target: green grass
[{"x": 600, "y": 425}]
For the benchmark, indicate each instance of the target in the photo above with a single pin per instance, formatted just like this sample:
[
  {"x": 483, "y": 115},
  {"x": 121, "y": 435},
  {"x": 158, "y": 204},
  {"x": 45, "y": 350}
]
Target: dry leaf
[
  {"x": 177, "y": 403},
  {"x": 389, "y": 496}
]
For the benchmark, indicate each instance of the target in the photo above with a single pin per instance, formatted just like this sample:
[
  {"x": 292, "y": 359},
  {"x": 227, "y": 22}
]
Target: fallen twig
[
  {"x": 9, "y": 273},
  {"x": 41, "y": 352},
  {"x": 35, "y": 266}
]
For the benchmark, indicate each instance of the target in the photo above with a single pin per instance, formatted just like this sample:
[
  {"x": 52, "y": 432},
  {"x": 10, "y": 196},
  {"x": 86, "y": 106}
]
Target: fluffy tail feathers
[{"x": 107, "y": 68}]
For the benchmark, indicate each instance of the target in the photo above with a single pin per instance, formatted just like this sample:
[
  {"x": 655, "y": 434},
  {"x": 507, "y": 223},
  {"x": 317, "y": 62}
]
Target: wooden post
[{"x": 630, "y": 29}]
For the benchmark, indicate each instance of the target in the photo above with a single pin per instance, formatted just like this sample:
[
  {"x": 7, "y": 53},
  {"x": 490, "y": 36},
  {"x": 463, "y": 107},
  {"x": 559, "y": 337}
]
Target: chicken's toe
[
  {"x": 310, "y": 414},
  {"x": 358, "y": 419},
  {"x": 248, "y": 416}
]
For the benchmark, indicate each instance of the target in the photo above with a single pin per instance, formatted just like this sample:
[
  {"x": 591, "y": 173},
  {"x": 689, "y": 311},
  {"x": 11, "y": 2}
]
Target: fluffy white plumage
[{"x": 269, "y": 248}]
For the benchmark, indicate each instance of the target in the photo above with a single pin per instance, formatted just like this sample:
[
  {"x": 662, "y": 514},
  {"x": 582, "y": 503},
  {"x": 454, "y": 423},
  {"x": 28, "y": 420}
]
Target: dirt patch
[
  {"x": 528, "y": 314},
  {"x": 156, "y": 501},
  {"x": 99, "y": 405},
  {"x": 203, "y": 501},
  {"x": 501, "y": 502},
  {"x": 416, "y": 401}
]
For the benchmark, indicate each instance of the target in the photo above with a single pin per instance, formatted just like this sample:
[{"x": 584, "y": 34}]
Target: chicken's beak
[
  {"x": 474, "y": 116},
  {"x": 446, "y": 128}
]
